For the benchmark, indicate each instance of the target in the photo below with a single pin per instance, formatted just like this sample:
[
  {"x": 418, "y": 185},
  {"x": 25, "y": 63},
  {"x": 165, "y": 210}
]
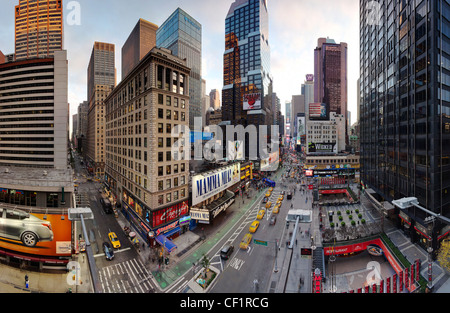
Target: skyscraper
[
  {"x": 182, "y": 34},
  {"x": 101, "y": 81},
  {"x": 38, "y": 28},
  {"x": 405, "y": 109},
  {"x": 330, "y": 75},
  {"x": 141, "y": 40},
  {"x": 34, "y": 128},
  {"x": 247, "y": 91}
]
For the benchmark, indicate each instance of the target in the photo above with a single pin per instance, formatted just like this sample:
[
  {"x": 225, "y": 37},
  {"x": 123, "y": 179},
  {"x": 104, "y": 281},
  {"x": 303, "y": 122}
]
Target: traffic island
[{"x": 203, "y": 280}]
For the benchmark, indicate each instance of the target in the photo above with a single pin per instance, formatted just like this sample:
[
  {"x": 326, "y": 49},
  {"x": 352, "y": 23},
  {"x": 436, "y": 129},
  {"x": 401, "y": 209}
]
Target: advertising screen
[
  {"x": 252, "y": 101},
  {"x": 314, "y": 147},
  {"x": 37, "y": 234}
]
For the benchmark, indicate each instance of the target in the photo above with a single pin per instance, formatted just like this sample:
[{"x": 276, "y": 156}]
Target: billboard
[
  {"x": 207, "y": 185},
  {"x": 310, "y": 77},
  {"x": 314, "y": 147},
  {"x": 318, "y": 111},
  {"x": 301, "y": 128},
  {"x": 252, "y": 102},
  {"x": 36, "y": 234}
]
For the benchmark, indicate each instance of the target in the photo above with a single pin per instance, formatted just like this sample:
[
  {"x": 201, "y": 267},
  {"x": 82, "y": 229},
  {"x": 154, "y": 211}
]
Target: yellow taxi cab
[
  {"x": 281, "y": 197},
  {"x": 276, "y": 209},
  {"x": 278, "y": 202},
  {"x": 261, "y": 214},
  {"x": 114, "y": 240},
  {"x": 268, "y": 194},
  {"x": 271, "y": 189},
  {"x": 245, "y": 241},
  {"x": 254, "y": 227},
  {"x": 268, "y": 205}
]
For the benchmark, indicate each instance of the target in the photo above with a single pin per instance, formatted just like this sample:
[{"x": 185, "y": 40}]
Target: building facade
[
  {"x": 247, "y": 91},
  {"x": 38, "y": 28},
  {"x": 214, "y": 98},
  {"x": 101, "y": 81},
  {"x": 330, "y": 75},
  {"x": 405, "y": 109},
  {"x": 182, "y": 34},
  {"x": 141, "y": 40},
  {"x": 150, "y": 185}
]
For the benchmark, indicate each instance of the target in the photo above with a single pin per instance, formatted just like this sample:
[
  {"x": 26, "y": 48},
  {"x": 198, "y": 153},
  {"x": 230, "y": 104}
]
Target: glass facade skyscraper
[
  {"x": 183, "y": 35},
  {"x": 405, "y": 108},
  {"x": 247, "y": 91}
]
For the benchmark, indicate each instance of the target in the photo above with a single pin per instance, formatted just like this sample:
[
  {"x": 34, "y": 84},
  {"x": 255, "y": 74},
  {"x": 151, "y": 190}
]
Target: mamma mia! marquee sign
[{"x": 207, "y": 185}]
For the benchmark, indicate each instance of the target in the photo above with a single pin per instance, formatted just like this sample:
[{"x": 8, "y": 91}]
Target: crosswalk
[{"x": 127, "y": 277}]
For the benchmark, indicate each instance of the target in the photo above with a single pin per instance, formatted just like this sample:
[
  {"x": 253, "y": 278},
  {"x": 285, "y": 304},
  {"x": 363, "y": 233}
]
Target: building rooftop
[{"x": 50, "y": 178}]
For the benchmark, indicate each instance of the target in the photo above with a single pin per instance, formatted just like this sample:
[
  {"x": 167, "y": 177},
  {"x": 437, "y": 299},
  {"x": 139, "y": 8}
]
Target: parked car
[
  {"x": 265, "y": 200},
  {"x": 106, "y": 205},
  {"x": 226, "y": 252},
  {"x": 22, "y": 226},
  {"x": 254, "y": 226},
  {"x": 114, "y": 240},
  {"x": 245, "y": 241},
  {"x": 108, "y": 250}
]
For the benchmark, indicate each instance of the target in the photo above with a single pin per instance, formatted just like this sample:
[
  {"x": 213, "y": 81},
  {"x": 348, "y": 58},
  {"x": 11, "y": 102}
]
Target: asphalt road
[{"x": 249, "y": 271}]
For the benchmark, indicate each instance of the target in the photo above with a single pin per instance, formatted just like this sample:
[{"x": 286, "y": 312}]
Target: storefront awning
[{"x": 166, "y": 243}]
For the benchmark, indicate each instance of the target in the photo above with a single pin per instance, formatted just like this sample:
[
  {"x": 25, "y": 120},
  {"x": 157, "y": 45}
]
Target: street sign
[{"x": 260, "y": 242}]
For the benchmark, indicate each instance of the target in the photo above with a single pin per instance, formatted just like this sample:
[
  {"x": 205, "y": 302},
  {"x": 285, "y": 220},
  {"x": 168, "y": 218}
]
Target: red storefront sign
[{"x": 169, "y": 214}]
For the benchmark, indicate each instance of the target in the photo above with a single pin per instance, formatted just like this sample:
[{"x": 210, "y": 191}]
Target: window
[
  {"x": 168, "y": 169},
  {"x": 160, "y": 143},
  {"x": 160, "y": 128},
  {"x": 160, "y": 170},
  {"x": 169, "y": 114}
]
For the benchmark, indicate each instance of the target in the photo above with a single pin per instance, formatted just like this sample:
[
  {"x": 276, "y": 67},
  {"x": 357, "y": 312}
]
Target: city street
[{"x": 126, "y": 272}]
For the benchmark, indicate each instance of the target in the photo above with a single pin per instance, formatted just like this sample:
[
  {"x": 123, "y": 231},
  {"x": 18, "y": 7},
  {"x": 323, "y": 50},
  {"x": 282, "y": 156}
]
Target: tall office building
[
  {"x": 182, "y": 34},
  {"x": 405, "y": 109},
  {"x": 308, "y": 91},
  {"x": 141, "y": 40},
  {"x": 101, "y": 81},
  {"x": 330, "y": 75},
  {"x": 247, "y": 91},
  {"x": 38, "y": 28},
  {"x": 34, "y": 109}
]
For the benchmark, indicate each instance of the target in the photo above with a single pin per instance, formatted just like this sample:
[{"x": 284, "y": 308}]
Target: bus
[{"x": 269, "y": 182}]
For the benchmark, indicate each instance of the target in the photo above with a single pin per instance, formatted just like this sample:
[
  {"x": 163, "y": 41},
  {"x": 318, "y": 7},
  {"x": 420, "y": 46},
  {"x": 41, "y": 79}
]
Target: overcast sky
[{"x": 295, "y": 26}]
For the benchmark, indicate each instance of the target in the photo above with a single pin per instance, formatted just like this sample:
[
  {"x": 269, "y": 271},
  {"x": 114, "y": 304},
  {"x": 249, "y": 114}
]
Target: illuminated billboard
[
  {"x": 252, "y": 102},
  {"x": 36, "y": 234}
]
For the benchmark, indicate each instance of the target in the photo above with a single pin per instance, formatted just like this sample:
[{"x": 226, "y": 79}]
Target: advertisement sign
[
  {"x": 252, "y": 102},
  {"x": 200, "y": 215},
  {"x": 235, "y": 150},
  {"x": 169, "y": 214},
  {"x": 36, "y": 234},
  {"x": 318, "y": 111},
  {"x": 310, "y": 77},
  {"x": 205, "y": 186},
  {"x": 314, "y": 147},
  {"x": 301, "y": 126},
  {"x": 271, "y": 163}
]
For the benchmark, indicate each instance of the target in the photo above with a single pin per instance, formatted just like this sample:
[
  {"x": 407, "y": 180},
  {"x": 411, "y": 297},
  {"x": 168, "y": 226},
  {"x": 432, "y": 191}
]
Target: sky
[{"x": 294, "y": 27}]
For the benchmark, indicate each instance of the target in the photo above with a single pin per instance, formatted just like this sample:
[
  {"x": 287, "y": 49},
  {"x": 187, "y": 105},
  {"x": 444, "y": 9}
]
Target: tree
[
  {"x": 444, "y": 255},
  {"x": 205, "y": 262}
]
